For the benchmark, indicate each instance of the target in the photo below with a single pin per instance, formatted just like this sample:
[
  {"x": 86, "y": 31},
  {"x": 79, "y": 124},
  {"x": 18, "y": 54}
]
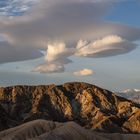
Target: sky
[{"x": 49, "y": 41}]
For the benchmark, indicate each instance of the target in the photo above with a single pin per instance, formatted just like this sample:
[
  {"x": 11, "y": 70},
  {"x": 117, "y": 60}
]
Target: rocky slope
[{"x": 88, "y": 105}]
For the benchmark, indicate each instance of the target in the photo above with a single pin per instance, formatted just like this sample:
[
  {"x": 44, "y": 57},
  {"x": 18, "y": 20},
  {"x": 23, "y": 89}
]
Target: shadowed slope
[{"x": 46, "y": 130}]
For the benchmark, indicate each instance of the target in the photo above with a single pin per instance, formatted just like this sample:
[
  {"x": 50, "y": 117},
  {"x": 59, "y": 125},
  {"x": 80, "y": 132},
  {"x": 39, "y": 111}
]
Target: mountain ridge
[{"x": 88, "y": 105}]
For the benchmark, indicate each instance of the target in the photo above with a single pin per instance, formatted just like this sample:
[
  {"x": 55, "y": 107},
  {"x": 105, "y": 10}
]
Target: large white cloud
[
  {"x": 57, "y": 26},
  {"x": 57, "y": 54},
  {"x": 56, "y": 58},
  {"x": 108, "y": 46},
  {"x": 58, "y": 51}
]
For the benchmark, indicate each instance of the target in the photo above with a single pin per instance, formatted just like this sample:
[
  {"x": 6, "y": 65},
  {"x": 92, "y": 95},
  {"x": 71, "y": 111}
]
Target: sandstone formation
[{"x": 88, "y": 105}]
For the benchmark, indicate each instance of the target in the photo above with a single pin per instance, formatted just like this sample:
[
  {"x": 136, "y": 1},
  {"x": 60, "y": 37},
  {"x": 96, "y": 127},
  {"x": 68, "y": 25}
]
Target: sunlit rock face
[{"x": 87, "y": 105}]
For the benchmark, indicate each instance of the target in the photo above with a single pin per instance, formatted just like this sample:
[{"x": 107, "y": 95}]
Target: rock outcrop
[{"x": 88, "y": 105}]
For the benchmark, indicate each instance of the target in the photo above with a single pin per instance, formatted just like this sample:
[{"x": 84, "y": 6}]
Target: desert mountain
[
  {"x": 131, "y": 94},
  {"x": 87, "y": 105}
]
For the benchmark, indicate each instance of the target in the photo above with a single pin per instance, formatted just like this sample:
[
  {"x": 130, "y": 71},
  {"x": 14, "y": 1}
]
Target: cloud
[
  {"x": 108, "y": 46},
  {"x": 57, "y": 51},
  {"x": 84, "y": 72},
  {"x": 50, "y": 68},
  {"x": 9, "y": 53},
  {"x": 15, "y": 7},
  {"x": 56, "y": 58},
  {"x": 58, "y": 54},
  {"x": 57, "y": 26}
]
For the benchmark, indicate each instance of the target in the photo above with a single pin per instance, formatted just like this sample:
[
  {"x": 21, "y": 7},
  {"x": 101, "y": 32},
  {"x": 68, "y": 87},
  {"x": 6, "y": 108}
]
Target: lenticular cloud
[
  {"x": 62, "y": 29},
  {"x": 108, "y": 46}
]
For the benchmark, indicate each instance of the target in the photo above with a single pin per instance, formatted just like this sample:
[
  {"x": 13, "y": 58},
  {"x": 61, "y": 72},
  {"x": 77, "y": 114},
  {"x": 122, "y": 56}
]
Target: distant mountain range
[
  {"x": 63, "y": 112},
  {"x": 131, "y": 94}
]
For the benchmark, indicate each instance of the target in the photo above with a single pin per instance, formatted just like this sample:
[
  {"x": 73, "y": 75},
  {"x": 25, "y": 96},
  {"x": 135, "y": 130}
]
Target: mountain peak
[
  {"x": 131, "y": 90},
  {"x": 88, "y": 105},
  {"x": 131, "y": 94}
]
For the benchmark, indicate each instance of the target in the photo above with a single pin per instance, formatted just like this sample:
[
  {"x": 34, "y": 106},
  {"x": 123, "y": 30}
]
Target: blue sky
[
  {"x": 126, "y": 12},
  {"x": 116, "y": 72}
]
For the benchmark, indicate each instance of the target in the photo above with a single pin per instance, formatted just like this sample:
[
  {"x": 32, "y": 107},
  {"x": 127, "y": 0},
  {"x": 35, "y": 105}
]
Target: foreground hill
[
  {"x": 48, "y": 130},
  {"x": 88, "y": 105}
]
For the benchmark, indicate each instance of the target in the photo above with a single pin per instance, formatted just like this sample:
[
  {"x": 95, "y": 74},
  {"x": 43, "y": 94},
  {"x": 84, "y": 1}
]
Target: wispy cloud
[
  {"x": 50, "y": 68},
  {"x": 64, "y": 28},
  {"x": 15, "y": 7}
]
